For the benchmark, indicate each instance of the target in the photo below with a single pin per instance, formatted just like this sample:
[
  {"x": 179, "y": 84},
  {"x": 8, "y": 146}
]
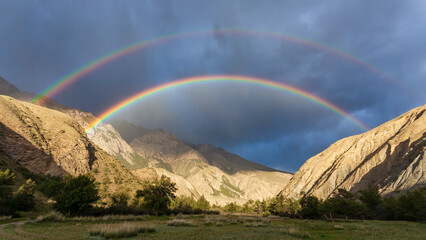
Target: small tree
[
  {"x": 77, "y": 195},
  {"x": 231, "y": 207},
  {"x": 119, "y": 199},
  {"x": 24, "y": 198},
  {"x": 283, "y": 206},
  {"x": 7, "y": 179},
  {"x": 202, "y": 203},
  {"x": 157, "y": 194}
]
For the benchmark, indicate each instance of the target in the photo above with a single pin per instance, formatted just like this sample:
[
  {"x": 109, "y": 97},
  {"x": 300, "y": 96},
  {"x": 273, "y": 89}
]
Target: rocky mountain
[
  {"x": 390, "y": 156},
  {"x": 46, "y": 141},
  {"x": 198, "y": 170}
]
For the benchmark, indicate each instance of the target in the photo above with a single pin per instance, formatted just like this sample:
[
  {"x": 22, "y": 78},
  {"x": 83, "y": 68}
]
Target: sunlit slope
[
  {"x": 45, "y": 141},
  {"x": 390, "y": 156}
]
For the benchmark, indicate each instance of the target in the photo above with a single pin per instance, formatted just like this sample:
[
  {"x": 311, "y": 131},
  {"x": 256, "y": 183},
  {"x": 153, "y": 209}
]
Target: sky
[{"x": 43, "y": 41}]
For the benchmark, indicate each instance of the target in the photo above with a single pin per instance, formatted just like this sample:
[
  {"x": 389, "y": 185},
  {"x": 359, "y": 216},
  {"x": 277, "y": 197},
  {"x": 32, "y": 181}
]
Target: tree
[
  {"x": 24, "y": 198},
  {"x": 231, "y": 207},
  {"x": 309, "y": 206},
  {"x": 202, "y": 203},
  {"x": 51, "y": 186},
  {"x": 413, "y": 205},
  {"x": 120, "y": 199},
  {"x": 77, "y": 195},
  {"x": 342, "y": 203},
  {"x": 7, "y": 180},
  {"x": 371, "y": 198},
  {"x": 157, "y": 194}
]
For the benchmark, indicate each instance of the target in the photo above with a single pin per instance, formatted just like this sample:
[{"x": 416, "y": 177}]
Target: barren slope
[
  {"x": 390, "y": 156},
  {"x": 46, "y": 141}
]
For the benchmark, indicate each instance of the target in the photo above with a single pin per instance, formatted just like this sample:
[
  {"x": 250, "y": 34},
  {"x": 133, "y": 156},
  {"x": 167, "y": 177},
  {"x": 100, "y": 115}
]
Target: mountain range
[
  {"x": 220, "y": 176},
  {"x": 49, "y": 138}
]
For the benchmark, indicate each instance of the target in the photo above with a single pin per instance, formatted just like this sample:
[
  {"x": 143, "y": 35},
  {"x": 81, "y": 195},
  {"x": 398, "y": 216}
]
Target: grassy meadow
[{"x": 207, "y": 227}]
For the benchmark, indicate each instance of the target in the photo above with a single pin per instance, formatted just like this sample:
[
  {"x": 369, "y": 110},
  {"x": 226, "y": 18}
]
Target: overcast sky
[{"x": 42, "y": 41}]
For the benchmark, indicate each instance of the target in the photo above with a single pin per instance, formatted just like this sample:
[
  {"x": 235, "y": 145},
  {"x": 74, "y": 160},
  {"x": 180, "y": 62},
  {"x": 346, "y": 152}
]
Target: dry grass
[
  {"x": 178, "y": 222},
  {"x": 5, "y": 218},
  {"x": 295, "y": 232},
  {"x": 248, "y": 221},
  {"x": 51, "y": 217},
  {"x": 338, "y": 227},
  {"x": 110, "y": 218},
  {"x": 120, "y": 230}
]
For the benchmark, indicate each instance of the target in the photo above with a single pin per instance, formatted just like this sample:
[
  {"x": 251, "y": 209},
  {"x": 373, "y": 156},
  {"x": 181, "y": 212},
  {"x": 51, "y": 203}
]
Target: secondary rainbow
[
  {"x": 77, "y": 74},
  {"x": 223, "y": 78}
]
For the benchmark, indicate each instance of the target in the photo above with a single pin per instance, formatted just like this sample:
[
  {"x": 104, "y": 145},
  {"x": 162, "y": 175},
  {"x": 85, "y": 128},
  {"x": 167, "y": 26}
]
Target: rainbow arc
[{"x": 222, "y": 78}]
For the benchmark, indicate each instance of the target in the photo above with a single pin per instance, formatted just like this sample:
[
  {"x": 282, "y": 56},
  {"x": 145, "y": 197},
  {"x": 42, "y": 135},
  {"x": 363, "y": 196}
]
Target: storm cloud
[{"x": 42, "y": 41}]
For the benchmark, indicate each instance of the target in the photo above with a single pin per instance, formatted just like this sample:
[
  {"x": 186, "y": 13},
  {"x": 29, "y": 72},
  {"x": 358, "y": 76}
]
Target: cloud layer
[{"x": 42, "y": 41}]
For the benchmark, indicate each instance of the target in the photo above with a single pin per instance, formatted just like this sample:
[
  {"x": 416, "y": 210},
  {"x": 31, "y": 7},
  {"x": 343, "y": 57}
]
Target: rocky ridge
[{"x": 390, "y": 156}]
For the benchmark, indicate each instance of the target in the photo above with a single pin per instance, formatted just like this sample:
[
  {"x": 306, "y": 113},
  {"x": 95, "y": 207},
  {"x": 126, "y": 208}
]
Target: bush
[
  {"x": 52, "y": 186},
  {"x": 202, "y": 203},
  {"x": 51, "y": 217},
  {"x": 283, "y": 206},
  {"x": 24, "y": 198},
  {"x": 157, "y": 194},
  {"x": 231, "y": 207},
  {"x": 77, "y": 195},
  {"x": 412, "y": 205},
  {"x": 341, "y": 204},
  {"x": 309, "y": 207},
  {"x": 120, "y": 200},
  {"x": 7, "y": 179}
]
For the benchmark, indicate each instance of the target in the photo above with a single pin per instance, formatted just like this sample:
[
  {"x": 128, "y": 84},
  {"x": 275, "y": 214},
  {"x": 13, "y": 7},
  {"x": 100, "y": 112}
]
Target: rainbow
[
  {"x": 77, "y": 74},
  {"x": 222, "y": 78}
]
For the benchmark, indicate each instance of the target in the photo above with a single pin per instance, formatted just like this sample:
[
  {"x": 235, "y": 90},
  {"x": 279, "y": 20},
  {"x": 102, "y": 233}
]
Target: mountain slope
[
  {"x": 391, "y": 156},
  {"x": 197, "y": 169},
  {"x": 46, "y": 141}
]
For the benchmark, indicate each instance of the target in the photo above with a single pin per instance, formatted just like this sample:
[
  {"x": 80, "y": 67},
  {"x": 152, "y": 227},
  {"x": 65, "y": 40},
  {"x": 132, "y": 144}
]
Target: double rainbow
[
  {"x": 222, "y": 78},
  {"x": 77, "y": 74}
]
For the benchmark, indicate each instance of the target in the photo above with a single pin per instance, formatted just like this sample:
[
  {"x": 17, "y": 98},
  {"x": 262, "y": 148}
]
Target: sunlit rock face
[
  {"x": 46, "y": 141},
  {"x": 390, "y": 156}
]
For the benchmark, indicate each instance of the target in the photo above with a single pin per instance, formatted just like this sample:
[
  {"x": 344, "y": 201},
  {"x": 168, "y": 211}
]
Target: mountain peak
[{"x": 6, "y": 88}]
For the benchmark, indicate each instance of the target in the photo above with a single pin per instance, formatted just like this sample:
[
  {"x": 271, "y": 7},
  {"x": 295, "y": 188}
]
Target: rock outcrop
[{"x": 390, "y": 156}]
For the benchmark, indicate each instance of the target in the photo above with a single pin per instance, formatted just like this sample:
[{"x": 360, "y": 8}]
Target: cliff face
[{"x": 390, "y": 156}]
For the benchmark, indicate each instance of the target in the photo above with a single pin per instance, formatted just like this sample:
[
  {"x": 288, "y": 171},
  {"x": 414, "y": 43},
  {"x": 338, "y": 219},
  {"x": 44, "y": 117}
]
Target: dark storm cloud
[{"x": 42, "y": 41}]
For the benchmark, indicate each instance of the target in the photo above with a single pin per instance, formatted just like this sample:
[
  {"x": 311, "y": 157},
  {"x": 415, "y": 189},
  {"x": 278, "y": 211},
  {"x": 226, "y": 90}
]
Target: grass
[
  {"x": 179, "y": 222},
  {"x": 223, "y": 227},
  {"x": 120, "y": 230}
]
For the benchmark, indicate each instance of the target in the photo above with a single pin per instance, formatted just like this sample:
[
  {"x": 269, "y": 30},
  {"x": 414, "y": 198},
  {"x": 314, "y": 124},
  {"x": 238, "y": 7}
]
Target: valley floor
[{"x": 218, "y": 227}]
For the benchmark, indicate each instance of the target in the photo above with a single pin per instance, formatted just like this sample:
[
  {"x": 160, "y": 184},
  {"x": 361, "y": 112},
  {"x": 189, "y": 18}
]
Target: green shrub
[
  {"x": 309, "y": 207},
  {"x": 77, "y": 195},
  {"x": 157, "y": 194},
  {"x": 23, "y": 200}
]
